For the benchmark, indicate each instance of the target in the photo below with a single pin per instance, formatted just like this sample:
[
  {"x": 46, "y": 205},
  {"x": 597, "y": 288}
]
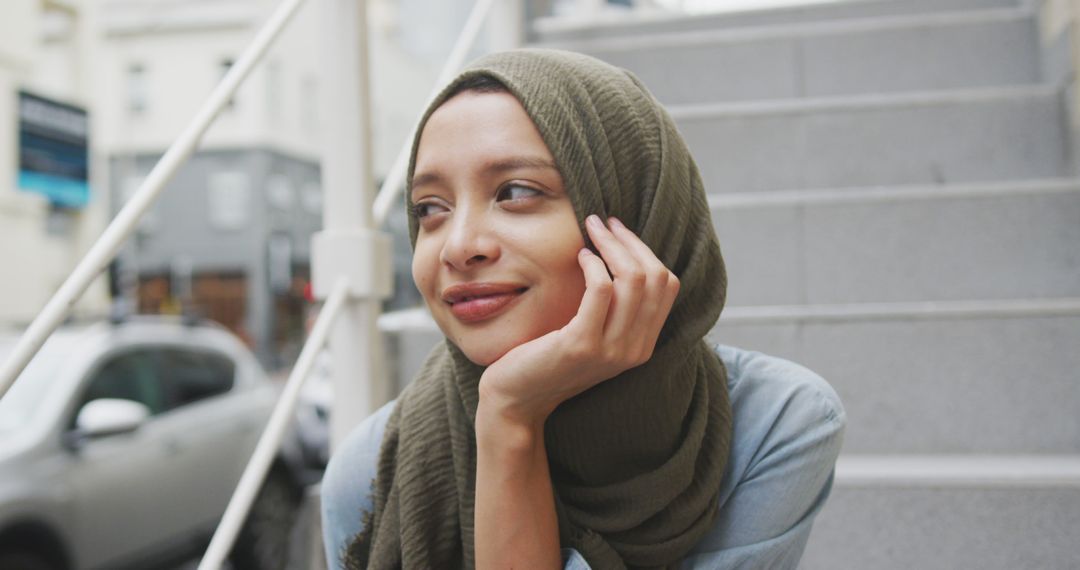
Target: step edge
[
  {"x": 796, "y": 31},
  {"x": 611, "y": 21},
  {"x": 1025, "y": 471},
  {"x": 901, "y": 311},
  {"x": 418, "y": 319},
  {"x": 793, "y": 106},
  {"x": 891, "y": 193}
]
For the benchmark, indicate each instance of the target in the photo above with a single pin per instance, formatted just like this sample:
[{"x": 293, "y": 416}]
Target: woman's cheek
[{"x": 423, "y": 271}]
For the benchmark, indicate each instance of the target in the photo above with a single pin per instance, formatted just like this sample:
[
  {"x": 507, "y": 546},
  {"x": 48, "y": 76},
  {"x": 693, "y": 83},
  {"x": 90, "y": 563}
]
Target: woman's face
[{"x": 496, "y": 254}]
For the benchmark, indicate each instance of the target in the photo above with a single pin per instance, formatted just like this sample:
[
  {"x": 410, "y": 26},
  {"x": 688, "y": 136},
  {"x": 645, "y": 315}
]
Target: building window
[
  {"x": 137, "y": 89},
  {"x": 224, "y": 65},
  {"x": 273, "y": 92},
  {"x": 279, "y": 192},
  {"x": 309, "y": 96},
  {"x": 312, "y": 198},
  {"x": 229, "y": 200}
]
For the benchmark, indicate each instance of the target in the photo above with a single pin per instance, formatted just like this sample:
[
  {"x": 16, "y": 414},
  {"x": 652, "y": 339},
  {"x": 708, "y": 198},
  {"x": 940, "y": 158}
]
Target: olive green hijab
[{"x": 637, "y": 461}]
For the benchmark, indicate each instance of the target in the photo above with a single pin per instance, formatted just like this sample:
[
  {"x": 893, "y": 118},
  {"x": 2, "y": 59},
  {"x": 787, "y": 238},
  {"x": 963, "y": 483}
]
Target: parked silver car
[{"x": 121, "y": 444}]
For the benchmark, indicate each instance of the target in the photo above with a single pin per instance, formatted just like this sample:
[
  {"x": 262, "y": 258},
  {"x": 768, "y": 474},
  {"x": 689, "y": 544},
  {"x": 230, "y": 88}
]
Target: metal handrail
[
  {"x": 255, "y": 472},
  {"x": 106, "y": 247},
  {"x": 395, "y": 179}
]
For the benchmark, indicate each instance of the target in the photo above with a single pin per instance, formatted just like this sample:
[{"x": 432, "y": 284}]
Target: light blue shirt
[{"x": 788, "y": 428}]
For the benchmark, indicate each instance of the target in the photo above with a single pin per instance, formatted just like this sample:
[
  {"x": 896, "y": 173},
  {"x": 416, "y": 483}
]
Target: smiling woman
[
  {"x": 497, "y": 233},
  {"x": 574, "y": 415}
]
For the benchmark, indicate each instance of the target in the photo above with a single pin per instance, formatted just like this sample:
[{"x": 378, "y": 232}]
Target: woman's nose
[{"x": 470, "y": 242}]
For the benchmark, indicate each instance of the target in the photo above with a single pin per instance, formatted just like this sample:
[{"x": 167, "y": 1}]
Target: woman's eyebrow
[
  {"x": 425, "y": 178},
  {"x": 516, "y": 162},
  {"x": 496, "y": 166}
]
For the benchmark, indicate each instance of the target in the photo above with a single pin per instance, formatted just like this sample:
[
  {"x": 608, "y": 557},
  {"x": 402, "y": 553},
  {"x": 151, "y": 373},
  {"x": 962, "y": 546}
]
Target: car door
[
  {"x": 216, "y": 428},
  {"x": 120, "y": 482}
]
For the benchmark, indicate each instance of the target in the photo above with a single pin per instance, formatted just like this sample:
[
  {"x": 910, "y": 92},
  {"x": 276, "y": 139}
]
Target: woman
[{"x": 574, "y": 415}]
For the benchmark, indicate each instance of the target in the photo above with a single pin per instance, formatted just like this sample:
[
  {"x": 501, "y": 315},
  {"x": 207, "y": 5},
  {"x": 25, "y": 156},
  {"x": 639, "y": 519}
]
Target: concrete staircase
[{"x": 893, "y": 188}]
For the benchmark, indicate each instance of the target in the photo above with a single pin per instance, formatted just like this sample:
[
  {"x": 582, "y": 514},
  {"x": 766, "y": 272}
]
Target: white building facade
[{"x": 42, "y": 55}]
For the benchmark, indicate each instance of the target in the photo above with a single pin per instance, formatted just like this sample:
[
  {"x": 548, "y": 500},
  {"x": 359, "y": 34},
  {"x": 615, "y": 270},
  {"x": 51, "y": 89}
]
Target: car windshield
[{"x": 18, "y": 406}]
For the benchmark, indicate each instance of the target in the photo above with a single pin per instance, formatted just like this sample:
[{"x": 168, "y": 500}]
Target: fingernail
[
  {"x": 614, "y": 222},
  {"x": 584, "y": 251},
  {"x": 594, "y": 220}
]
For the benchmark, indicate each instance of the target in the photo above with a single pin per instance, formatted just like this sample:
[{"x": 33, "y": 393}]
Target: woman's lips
[{"x": 480, "y": 307}]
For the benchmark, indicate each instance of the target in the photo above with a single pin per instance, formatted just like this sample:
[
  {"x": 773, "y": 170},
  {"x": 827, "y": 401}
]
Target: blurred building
[
  {"x": 51, "y": 199},
  {"x": 230, "y": 234}
]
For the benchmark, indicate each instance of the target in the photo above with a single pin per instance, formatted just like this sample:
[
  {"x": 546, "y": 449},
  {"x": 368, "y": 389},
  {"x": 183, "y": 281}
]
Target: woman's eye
[
  {"x": 423, "y": 209},
  {"x": 516, "y": 192}
]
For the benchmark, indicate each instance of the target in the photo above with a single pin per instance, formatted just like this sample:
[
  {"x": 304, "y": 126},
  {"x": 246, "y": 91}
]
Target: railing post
[
  {"x": 506, "y": 26},
  {"x": 349, "y": 245}
]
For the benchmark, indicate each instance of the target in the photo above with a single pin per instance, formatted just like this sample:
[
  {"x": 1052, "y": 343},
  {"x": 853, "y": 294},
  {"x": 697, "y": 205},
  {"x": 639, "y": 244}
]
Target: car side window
[
  {"x": 128, "y": 376},
  {"x": 192, "y": 374}
]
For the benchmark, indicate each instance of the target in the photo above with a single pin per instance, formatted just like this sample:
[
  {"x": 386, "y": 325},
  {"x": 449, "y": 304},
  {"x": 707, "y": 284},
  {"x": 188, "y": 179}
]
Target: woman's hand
[{"x": 615, "y": 329}]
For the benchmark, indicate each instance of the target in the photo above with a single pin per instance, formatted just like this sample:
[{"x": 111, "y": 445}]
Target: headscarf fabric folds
[{"x": 637, "y": 461}]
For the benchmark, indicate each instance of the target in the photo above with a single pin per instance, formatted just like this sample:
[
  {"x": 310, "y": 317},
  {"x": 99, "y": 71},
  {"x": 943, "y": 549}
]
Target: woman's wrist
[
  {"x": 508, "y": 424},
  {"x": 514, "y": 515}
]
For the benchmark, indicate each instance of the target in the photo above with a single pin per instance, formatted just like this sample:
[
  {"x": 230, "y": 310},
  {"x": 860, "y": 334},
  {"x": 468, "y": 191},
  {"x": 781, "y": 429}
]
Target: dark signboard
[{"x": 53, "y": 150}]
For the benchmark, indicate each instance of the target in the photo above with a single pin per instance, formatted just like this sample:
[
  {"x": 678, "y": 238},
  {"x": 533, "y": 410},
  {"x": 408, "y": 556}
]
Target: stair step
[
  {"x": 936, "y": 243},
  {"x": 992, "y": 376},
  {"x": 958, "y": 377},
  {"x": 912, "y": 311},
  {"x": 1023, "y": 471},
  {"x": 1004, "y": 133},
  {"x": 950, "y": 512},
  {"x": 909, "y": 53},
  {"x": 636, "y": 25}
]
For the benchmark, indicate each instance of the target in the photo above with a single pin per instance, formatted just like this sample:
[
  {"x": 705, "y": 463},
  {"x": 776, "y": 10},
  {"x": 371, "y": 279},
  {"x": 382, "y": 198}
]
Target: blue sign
[{"x": 53, "y": 150}]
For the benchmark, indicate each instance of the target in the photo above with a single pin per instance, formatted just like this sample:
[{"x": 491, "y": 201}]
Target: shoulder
[
  {"x": 782, "y": 412},
  {"x": 346, "y": 484},
  {"x": 788, "y": 392},
  {"x": 356, "y": 458},
  {"x": 788, "y": 426}
]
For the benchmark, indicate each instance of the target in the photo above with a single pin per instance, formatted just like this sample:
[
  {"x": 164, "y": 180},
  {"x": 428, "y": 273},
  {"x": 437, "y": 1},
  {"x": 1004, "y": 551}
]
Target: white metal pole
[
  {"x": 105, "y": 248},
  {"x": 270, "y": 441},
  {"x": 395, "y": 179},
  {"x": 355, "y": 345},
  {"x": 506, "y": 29}
]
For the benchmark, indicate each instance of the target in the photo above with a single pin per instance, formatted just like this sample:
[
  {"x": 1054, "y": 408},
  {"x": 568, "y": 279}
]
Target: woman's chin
[{"x": 485, "y": 356}]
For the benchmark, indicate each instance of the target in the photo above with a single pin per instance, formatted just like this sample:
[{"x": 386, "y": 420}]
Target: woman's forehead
[{"x": 480, "y": 131}]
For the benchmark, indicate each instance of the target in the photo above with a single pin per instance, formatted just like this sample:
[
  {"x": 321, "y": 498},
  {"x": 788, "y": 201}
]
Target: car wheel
[
  {"x": 263, "y": 542},
  {"x": 24, "y": 560}
]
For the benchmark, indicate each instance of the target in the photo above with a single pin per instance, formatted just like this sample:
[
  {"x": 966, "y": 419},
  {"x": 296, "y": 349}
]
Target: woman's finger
[
  {"x": 629, "y": 280},
  {"x": 655, "y": 303},
  {"x": 654, "y": 322},
  {"x": 618, "y": 259},
  {"x": 596, "y": 302},
  {"x": 642, "y": 253}
]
